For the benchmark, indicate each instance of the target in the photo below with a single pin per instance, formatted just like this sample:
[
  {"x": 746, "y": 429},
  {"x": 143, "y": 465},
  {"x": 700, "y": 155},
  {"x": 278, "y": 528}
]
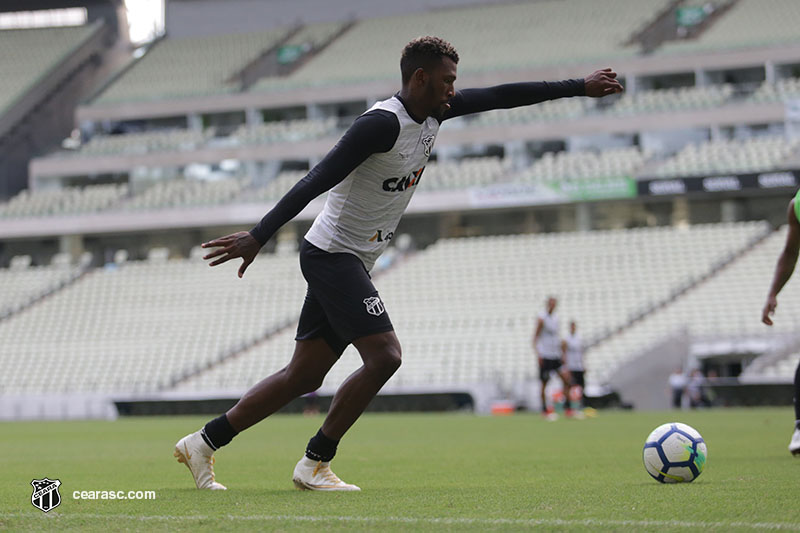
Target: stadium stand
[
  {"x": 497, "y": 37},
  {"x": 557, "y": 166},
  {"x": 284, "y": 131},
  {"x": 186, "y": 193},
  {"x": 135, "y": 326},
  {"x": 780, "y": 370},
  {"x": 23, "y": 283},
  {"x": 464, "y": 308},
  {"x": 68, "y": 200},
  {"x": 189, "y": 66},
  {"x": 545, "y": 111},
  {"x": 44, "y": 49},
  {"x": 746, "y": 155},
  {"x": 656, "y": 101},
  {"x": 274, "y": 189},
  {"x": 143, "y": 142},
  {"x": 472, "y": 172},
  {"x": 678, "y": 99},
  {"x": 727, "y": 306},
  {"x": 749, "y": 23},
  {"x": 315, "y": 35},
  {"x": 780, "y": 91}
]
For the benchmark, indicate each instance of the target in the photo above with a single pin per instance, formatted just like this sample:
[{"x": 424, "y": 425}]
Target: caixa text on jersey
[{"x": 401, "y": 184}]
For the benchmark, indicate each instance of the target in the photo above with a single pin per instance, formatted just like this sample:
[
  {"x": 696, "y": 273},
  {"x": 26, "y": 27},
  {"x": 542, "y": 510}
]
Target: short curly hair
[{"x": 424, "y": 52}]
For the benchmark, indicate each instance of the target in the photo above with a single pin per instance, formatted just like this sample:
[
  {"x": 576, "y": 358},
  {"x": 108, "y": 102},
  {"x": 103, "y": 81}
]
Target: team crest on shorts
[
  {"x": 45, "y": 495},
  {"x": 374, "y": 305}
]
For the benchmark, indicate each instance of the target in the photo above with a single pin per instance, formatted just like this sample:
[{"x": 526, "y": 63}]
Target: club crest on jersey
[
  {"x": 427, "y": 144},
  {"x": 45, "y": 495},
  {"x": 374, "y": 305}
]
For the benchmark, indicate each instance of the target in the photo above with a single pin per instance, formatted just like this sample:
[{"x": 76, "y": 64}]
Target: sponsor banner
[
  {"x": 598, "y": 189},
  {"x": 517, "y": 194},
  {"x": 783, "y": 179}
]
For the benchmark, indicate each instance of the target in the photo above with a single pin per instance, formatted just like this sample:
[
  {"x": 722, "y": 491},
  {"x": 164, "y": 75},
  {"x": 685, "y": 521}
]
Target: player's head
[
  {"x": 551, "y": 304},
  {"x": 573, "y": 327},
  {"x": 428, "y": 66}
]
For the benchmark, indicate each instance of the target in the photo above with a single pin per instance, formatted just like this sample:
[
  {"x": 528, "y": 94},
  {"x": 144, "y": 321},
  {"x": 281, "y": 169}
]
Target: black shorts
[
  {"x": 341, "y": 303},
  {"x": 547, "y": 366},
  {"x": 577, "y": 378}
]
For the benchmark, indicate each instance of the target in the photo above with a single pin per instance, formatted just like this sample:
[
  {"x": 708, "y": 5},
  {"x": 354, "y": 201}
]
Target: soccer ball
[{"x": 674, "y": 453}]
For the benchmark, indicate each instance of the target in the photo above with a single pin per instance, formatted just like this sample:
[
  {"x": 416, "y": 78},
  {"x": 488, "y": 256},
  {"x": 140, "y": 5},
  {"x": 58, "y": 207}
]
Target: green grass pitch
[{"x": 431, "y": 472}]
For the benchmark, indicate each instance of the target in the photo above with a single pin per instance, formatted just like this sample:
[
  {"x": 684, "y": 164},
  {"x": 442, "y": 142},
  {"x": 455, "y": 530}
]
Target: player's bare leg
[
  {"x": 381, "y": 356},
  {"x": 566, "y": 380},
  {"x": 310, "y": 363},
  {"x": 543, "y": 395},
  {"x": 794, "y": 444}
]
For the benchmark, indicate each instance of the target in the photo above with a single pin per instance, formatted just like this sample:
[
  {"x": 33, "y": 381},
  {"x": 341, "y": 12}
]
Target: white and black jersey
[
  {"x": 574, "y": 353},
  {"x": 548, "y": 344},
  {"x": 362, "y": 212}
]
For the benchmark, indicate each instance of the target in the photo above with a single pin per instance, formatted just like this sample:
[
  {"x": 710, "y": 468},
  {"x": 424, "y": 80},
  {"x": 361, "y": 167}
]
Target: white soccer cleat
[
  {"x": 317, "y": 475},
  {"x": 198, "y": 456},
  {"x": 794, "y": 445}
]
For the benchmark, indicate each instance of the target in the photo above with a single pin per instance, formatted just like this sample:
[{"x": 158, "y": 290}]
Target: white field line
[{"x": 587, "y": 522}]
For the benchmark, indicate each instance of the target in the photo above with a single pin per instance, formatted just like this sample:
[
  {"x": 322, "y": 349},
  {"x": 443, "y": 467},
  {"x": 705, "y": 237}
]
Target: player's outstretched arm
[
  {"x": 785, "y": 266},
  {"x": 467, "y": 101},
  {"x": 602, "y": 83},
  {"x": 371, "y": 133}
]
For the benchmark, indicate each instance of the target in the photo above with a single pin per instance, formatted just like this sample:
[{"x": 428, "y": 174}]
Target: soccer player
[
  {"x": 572, "y": 370},
  {"x": 547, "y": 345},
  {"x": 371, "y": 174},
  {"x": 783, "y": 271}
]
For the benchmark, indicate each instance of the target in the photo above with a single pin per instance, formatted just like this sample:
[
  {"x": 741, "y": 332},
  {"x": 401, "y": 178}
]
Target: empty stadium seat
[
  {"x": 469, "y": 313},
  {"x": 749, "y": 23},
  {"x": 488, "y": 38},
  {"x": 748, "y": 155},
  {"x": 136, "y": 327},
  {"x": 43, "y": 49}
]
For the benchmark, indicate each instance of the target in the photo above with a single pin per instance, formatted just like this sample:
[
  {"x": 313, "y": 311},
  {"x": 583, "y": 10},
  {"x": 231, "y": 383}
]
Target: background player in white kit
[
  {"x": 371, "y": 174},
  {"x": 547, "y": 346},
  {"x": 572, "y": 356}
]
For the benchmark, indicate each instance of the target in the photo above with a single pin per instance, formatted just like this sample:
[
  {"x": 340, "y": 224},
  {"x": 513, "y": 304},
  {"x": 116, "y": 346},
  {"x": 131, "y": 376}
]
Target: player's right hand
[
  {"x": 769, "y": 310},
  {"x": 240, "y": 244}
]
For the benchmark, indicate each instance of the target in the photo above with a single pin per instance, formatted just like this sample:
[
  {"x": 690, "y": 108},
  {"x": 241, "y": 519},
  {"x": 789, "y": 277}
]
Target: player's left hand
[
  {"x": 769, "y": 310},
  {"x": 602, "y": 83},
  {"x": 240, "y": 244}
]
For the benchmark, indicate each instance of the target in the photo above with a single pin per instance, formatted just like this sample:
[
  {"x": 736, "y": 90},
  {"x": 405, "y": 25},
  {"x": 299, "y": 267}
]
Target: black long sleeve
[
  {"x": 510, "y": 95},
  {"x": 371, "y": 133}
]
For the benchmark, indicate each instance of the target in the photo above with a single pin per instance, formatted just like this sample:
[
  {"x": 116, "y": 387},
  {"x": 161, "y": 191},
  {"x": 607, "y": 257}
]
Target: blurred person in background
[
  {"x": 547, "y": 347},
  {"x": 573, "y": 371},
  {"x": 783, "y": 271},
  {"x": 677, "y": 387}
]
